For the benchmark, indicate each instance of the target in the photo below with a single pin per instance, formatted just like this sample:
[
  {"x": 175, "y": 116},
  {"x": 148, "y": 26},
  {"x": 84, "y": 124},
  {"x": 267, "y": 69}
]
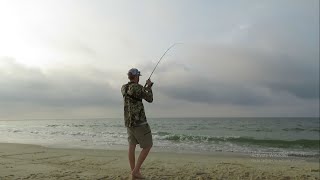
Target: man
[{"x": 138, "y": 129}]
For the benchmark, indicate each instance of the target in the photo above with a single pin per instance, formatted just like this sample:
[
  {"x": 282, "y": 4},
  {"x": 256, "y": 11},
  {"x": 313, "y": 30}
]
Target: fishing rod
[{"x": 160, "y": 60}]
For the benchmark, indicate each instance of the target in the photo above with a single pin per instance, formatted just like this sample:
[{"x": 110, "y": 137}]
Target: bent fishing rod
[{"x": 160, "y": 60}]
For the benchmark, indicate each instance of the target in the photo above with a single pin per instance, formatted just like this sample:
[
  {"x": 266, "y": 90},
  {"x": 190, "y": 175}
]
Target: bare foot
[{"x": 137, "y": 175}]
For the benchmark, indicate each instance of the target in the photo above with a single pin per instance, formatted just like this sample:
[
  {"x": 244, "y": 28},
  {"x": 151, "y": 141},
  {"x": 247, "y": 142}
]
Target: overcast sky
[{"x": 69, "y": 58}]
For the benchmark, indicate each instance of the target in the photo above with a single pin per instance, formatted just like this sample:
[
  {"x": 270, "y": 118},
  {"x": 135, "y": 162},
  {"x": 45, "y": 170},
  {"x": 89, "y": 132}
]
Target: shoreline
[
  {"x": 253, "y": 155},
  {"x": 40, "y": 162},
  {"x": 266, "y": 155}
]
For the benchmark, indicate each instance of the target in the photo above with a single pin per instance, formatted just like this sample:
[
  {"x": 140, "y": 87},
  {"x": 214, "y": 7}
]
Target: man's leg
[
  {"x": 131, "y": 154},
  {"x": 143, "y": 154}
]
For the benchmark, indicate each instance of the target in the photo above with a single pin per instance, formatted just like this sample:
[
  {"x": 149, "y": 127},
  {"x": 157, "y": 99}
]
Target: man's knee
[{"x": 148, "y": 147}]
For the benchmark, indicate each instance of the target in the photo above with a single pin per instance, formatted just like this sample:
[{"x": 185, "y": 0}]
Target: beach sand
[{"x": 19, "y": 161}]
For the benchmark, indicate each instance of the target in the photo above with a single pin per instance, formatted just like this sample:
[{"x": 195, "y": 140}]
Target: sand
[{"x": 18, "y": 161}]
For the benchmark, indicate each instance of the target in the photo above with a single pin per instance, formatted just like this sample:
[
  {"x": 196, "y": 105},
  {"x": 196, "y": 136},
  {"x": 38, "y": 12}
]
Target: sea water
[{"x": 278, "y": 136}]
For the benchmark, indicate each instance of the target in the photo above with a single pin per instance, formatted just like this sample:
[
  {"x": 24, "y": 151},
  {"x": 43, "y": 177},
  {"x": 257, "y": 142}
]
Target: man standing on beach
[{"x": 138, "y": 129}]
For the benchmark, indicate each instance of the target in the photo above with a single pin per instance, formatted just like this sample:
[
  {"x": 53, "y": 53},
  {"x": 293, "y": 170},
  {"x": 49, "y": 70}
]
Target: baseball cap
[{"x": 134, "y": 72}]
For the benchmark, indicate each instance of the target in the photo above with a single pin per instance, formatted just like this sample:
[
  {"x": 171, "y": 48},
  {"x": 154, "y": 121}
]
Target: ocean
[{"x": 284, "y": 137}]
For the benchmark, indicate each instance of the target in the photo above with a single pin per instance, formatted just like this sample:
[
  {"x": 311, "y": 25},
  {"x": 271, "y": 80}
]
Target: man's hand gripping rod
[{"x": 160, "y": 60}]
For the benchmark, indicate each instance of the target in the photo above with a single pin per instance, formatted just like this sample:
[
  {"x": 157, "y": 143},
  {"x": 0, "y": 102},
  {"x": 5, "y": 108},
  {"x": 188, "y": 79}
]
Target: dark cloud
[
  {"x": 20, "y": 84},
  {"x": 239, "y": 76},
  {"x": 206, "y": 91},
  {"x": 298, "y": 78}
]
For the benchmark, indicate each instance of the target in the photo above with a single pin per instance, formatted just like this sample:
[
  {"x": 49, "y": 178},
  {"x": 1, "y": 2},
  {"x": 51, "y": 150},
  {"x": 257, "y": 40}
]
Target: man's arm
[
  {"x": 141, "y": 92},
  {"x": 123, "y": 90},
  {"x": 147, "y": 94}
]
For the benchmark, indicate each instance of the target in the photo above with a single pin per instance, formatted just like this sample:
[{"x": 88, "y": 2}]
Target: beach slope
[{"x": 19, "y": 161}]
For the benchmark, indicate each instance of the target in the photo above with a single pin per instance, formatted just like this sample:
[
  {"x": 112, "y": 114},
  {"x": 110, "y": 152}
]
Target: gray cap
[{"x": 134, "y": 72}]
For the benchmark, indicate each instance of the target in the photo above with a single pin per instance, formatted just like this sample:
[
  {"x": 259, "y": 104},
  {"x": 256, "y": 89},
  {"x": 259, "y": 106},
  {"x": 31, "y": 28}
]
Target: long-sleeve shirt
[{"x": 134, "y": 112}]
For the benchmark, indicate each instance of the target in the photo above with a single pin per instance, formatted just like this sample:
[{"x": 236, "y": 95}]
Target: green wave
[{"x": 301, "y": 143}]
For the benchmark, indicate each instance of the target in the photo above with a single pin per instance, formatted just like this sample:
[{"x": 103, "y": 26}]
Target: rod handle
[{"x": 150, "y": 85}]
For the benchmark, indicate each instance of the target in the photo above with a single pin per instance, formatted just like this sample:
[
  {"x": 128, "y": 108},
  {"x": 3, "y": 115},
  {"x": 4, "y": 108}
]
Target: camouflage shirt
[{"x": 133, "y": 93}]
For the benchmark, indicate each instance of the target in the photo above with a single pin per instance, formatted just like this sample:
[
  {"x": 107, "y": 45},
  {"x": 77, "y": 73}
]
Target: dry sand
[{"x": 19, "y": 161}]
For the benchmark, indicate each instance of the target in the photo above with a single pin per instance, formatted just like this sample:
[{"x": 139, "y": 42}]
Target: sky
[{"x": 246, "y": 58}]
